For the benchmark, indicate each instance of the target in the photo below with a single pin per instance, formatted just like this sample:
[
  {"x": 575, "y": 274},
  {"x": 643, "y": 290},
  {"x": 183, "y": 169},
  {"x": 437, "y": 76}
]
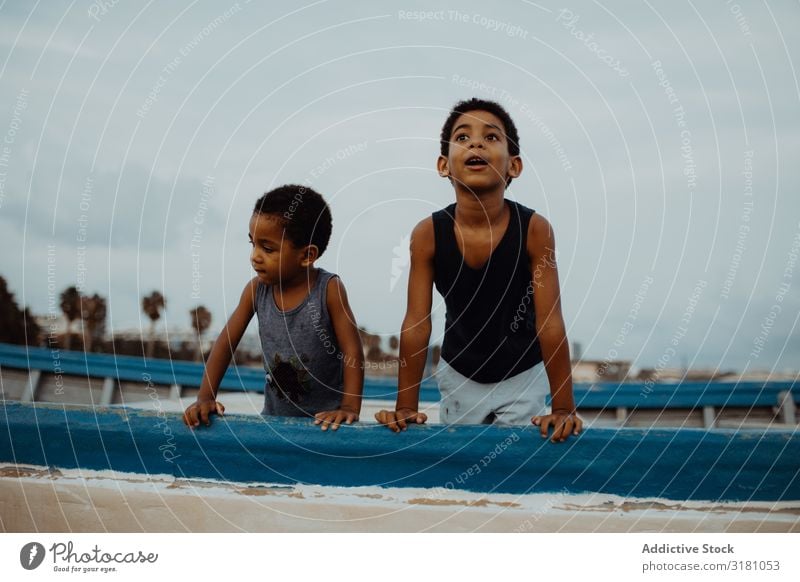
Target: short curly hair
[
  {"x": 475, "y": 104},
  {"x": 305, "y": 215}
]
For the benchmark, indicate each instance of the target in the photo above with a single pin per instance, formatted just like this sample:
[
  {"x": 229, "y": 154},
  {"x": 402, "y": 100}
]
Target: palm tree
[
  {"x": 201, "y": 321},
  {"x": 71, "y": 308},
  {"x": 152, "y": 305},
  {"x": 17, "y": 326},
  {"x": 8, "y": 314},
  {"x": 94, "y": 316},
  {"x": 394, "y": 344},
  {"x": 33, "y": 331}
]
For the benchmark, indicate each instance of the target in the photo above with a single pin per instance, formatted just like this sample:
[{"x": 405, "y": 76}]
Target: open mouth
[{"x": 476, "y": 161}]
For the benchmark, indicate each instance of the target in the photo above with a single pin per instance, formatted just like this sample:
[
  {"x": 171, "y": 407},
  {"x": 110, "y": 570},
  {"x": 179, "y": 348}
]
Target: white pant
[{"x": 512, "y": 401}]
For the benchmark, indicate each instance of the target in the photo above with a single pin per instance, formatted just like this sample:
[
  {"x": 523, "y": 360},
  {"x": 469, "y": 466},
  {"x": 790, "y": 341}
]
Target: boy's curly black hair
[
  {"x": 476, "y": 104},
  {"x": 305, "y": 214}
]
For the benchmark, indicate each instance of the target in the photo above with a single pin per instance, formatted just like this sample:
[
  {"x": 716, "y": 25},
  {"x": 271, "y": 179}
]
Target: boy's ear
[
  {"x": 442, "y": 167},
  {"x": 514, "y": 167},
  {"x": 310, "y": 254}
]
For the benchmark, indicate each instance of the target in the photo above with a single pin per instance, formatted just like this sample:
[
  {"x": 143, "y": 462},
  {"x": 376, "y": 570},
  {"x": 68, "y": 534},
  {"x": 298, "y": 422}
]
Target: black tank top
[{"x": 490, "y": 325}]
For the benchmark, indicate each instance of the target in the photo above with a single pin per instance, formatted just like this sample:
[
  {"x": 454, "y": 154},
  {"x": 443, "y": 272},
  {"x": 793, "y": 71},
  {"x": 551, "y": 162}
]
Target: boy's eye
[
  {"x": 461, "y": 137},
  {"x": 493, "y": 137},
  {"x": 265, "y": 248}
]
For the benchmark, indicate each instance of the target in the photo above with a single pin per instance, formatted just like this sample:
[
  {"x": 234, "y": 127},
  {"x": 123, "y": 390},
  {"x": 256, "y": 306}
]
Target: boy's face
[
  {"x": 478, "y": 158},
  {"x": 274, "y": 258}
]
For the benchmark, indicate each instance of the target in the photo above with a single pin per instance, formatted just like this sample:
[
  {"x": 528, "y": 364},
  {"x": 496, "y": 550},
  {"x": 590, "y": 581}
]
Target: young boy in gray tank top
[{"x": 312, "y": 350}]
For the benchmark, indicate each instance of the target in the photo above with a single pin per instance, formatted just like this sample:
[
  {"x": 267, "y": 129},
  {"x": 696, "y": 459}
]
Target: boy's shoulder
[
  {"x": 540, "y": 234},
  {"x": 423, "y": 237},
  {"x": 335, "y": 296},
  {"x": 423, "y": 226},
  {"x": 251, "y": 289},
  {"x": 331, "y": 281},
  {"x": 538, "y": 223},
  {"x": 334, "y": 289}
]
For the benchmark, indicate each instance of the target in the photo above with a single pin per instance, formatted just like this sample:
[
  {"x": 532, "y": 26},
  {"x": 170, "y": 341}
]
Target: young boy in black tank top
[{"x": 493, "y": 261}]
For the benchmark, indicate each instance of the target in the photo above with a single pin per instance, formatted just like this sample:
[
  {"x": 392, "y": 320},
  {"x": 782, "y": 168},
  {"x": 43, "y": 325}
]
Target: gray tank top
[{"x": 301, "y": 355}]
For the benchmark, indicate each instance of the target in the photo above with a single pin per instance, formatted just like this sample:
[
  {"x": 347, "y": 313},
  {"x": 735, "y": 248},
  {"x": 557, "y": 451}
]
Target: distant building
[
  {"x": 673, "y": 375},
  {"x": 787, "y": 375},
  {"x": 593, "y": 371}
]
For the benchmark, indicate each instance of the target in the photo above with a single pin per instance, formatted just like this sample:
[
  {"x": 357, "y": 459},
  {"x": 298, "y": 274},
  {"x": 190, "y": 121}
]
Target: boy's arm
[
  {"x": 220, "y": 358},
  {"x": 551, "y": 331},
  {"x": 416, "y": 331},
  {"x": 346, "y": 330}
]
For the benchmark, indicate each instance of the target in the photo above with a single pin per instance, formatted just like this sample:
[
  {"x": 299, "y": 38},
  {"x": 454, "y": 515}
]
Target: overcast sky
[{"x": 661, "y": 142}]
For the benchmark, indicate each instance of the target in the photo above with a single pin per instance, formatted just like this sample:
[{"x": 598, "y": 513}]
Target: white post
[
  {"x": 709, "y": 417},
  {"x": 29, "y": 394},
  {"x": 788, "y": 408},
  {"x": 108, "y": 392}
]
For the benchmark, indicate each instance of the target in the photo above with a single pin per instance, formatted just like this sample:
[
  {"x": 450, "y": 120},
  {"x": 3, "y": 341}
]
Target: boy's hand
[
  {"x": 200, "y": 411},
  {"x": 563, "y": 423},
  {"x": 397, "y": 419},
  {"x": 334, "y": 418}
]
